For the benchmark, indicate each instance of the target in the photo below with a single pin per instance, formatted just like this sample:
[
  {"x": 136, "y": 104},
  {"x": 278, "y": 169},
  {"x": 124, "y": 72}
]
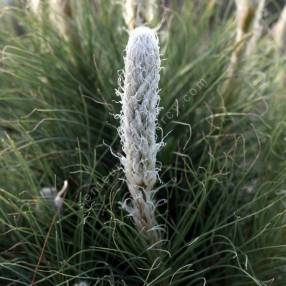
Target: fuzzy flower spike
[{"x": 140, "y": 100}]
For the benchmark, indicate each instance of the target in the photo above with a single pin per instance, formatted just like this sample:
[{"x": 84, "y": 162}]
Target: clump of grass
[{"x": 222, "y": 195}]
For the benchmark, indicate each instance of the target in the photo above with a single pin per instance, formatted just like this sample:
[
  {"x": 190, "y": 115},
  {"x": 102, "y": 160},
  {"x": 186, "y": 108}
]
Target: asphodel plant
[
  {"x": 139, "y": 12},
  {"x": 279, "y": 31},
  {"x": 140, "y": 99}
]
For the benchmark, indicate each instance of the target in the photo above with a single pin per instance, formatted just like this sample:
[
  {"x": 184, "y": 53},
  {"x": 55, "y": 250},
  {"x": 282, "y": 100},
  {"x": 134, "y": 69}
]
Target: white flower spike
[{"x": 140, "y": 99}]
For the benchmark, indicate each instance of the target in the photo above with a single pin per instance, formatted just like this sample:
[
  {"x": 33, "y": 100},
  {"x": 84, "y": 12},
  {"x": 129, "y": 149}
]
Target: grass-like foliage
[{"x": 221, "y": 197}]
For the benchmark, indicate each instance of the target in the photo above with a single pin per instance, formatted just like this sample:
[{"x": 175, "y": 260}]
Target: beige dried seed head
[
  {"x": 60, "y": 13},
  {"x": 139, "y": 12},
  {"x": 245, "y": 14},
  {"x": 279, "y": 31}
]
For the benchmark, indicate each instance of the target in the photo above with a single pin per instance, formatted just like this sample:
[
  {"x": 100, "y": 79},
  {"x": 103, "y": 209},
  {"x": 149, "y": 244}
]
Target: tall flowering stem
[
  {"x": 249, "y": 29},
  {"x": 139, "y": 12},
  {"x": 36, "y": 7},
  {"x": 279, "y": 31},
  {"x": 60, "y": 15},
  {"x": 257, "y": 28},
  {"x": 140, "y": 99}
]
